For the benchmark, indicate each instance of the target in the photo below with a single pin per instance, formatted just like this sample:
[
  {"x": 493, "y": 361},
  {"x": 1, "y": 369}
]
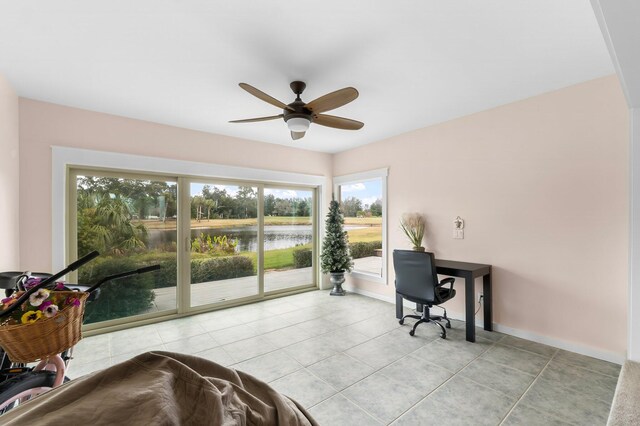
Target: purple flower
[
  {"x": 32, "y": 282},
  {"x": 7, "y": 300},
  {"x": 59, "y": 285},
  {"x": 73, "y": 301},
  {"x": 43, "y": 306}
]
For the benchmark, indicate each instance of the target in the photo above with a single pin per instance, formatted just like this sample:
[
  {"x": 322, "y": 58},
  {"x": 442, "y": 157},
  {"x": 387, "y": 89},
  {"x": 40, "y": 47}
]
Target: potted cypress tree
[{"x": 335, "y": 259}]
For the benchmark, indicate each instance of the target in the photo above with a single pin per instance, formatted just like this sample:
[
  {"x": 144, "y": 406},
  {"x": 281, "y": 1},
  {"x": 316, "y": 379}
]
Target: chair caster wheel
[
  {"x": 443, "y": 336},
  {"x": 411, "y": 333},
  {"x": 448, "y": 325},
  {"x": 401, "y": 321}
]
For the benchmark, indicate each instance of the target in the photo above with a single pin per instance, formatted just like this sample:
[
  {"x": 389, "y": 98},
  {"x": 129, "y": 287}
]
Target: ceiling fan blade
[
  {"x": 261, "y": 95},
  {"x": 337, "y": 122},
  {"x": 251, "y": 120},
  {"x": 297, "y": 135},
  {"x": 333, "y": 100}
]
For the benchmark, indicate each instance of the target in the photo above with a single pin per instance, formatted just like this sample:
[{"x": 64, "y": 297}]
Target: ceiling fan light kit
[
  {"x": 298, "y": 124},
  {"x": 299, "y": 115}
]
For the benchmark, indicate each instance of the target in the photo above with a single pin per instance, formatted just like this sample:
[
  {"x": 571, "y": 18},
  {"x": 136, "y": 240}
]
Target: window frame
[
  {"x": 369, "y": 175},
  {"x": 66, "y": 162}
]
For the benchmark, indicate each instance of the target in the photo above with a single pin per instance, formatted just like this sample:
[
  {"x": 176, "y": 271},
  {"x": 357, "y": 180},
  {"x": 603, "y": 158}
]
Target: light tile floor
[{"x": 349, "y": 362}]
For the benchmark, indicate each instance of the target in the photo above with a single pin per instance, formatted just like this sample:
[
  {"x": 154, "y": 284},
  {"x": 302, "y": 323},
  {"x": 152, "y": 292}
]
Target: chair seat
[{"x": 442, "y": 296}]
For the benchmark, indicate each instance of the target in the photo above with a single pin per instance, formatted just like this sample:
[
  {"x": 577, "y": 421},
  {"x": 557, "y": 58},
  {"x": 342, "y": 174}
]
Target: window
[
  {"x": 219, "y": 242},
  {"x": 288, "y": 238},
  {"x": 131, "y": 221},
  {"x": 362, "y": 199}
]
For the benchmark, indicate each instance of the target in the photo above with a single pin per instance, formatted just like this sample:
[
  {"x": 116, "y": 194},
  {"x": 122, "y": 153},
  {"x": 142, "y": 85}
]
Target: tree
[
  {"x": 376, "y": 208},
  {"x": 303, "y": 209},
  {"x": 269, "y": 204},
  {"x": 335, "y": 255},
  {"x": 351, "y": 206},
  {"x": 197, "y": 207},
  {"x": 107, "y": 227},
  {"x": 282, "y": 207}
]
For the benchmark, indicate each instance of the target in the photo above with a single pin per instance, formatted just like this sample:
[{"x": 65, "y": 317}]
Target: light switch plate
[{"x": 458, "y": 234}]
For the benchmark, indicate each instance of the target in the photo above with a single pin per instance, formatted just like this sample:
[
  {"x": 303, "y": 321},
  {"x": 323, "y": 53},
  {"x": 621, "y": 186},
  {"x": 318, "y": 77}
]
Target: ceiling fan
[{"x": 299, "y": 115}]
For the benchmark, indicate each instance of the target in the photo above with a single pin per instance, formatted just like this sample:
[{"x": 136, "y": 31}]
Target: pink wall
[
  {"x": 9, "y": 178},
  {"x": 43, "y": 125},
  {"x": 542, "y": 187}
]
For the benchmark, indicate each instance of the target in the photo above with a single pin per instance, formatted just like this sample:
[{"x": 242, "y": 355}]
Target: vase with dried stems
[{"x": 413, "y": 224}]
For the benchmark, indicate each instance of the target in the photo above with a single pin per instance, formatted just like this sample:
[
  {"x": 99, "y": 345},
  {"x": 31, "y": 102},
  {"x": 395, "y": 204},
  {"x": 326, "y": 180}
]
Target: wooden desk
[{"x": 468, "y": 271}]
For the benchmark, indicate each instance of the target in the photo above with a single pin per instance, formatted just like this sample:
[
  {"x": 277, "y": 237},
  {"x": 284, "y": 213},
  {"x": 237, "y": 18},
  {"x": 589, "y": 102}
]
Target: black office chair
[{"x": 417, "y": 281}]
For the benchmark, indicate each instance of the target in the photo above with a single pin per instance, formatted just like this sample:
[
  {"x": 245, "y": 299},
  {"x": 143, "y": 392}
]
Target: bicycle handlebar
[
  {"x": 122, "y": 275},
  {"x": 72, "y": 267}
]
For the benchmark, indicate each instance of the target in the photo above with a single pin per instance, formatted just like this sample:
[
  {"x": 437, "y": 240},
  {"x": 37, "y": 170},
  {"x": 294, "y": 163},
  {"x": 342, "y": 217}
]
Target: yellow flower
[{"x": 31, "y": 317}]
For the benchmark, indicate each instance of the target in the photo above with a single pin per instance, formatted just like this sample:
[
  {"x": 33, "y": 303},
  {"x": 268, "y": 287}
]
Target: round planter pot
[{"x": 337, "y": 278}]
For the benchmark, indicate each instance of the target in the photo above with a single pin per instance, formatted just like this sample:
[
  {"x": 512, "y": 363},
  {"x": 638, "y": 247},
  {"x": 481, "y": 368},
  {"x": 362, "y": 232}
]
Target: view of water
[{"x": 275, "y": 237}]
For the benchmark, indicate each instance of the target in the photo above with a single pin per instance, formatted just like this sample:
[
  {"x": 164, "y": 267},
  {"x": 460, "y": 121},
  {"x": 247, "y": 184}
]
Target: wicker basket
[{"x": 46, "y": 337}]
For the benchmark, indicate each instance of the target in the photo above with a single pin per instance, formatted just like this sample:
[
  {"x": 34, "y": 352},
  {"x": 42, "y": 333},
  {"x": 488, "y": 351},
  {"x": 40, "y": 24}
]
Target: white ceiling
[{"x": 415, "y": 63}]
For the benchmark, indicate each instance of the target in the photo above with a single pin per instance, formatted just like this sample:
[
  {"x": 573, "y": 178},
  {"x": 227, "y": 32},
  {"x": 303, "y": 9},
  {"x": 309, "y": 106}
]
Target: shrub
[
  {"x": 134, "y": 295},
  {"x": 362, "y": 249},
  {"x": 124, "y": 297},
  {"x": 302, "y": 258},
  {"x": 220, "y": 268}
]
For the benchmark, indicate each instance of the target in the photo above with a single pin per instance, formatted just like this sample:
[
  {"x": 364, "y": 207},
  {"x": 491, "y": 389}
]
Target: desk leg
[
  {"x": 399, "y": 310},
  {"x": 486, "y": 300},
  {"x": 470, "y": 303}
]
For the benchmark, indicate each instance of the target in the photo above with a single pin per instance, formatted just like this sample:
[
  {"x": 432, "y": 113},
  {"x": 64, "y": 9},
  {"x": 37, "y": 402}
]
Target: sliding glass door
[
  {"x": 223, "y": 242},
  {"x": 218, "y": 242},
  {"x": 288, "y": 238},
  {"x": 131, "y": 221}
]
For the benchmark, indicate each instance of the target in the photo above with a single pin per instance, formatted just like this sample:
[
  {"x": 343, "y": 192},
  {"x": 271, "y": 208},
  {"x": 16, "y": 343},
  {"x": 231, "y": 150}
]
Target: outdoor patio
[{"x": 236, "y": 288}]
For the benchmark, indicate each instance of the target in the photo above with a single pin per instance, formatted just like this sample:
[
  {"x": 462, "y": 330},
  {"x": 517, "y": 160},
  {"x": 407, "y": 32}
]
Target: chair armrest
[{"x": 449, "y": 280}]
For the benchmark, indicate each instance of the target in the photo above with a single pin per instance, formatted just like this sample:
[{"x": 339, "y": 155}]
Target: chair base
[{"x": 433, "y": 319}]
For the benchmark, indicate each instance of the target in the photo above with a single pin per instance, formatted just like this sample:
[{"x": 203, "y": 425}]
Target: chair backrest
[{"x": 416, "y": 276}]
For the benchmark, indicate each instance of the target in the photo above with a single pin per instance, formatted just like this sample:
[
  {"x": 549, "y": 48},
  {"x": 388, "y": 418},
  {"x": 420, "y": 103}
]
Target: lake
[{"x": 275, "y": 236}]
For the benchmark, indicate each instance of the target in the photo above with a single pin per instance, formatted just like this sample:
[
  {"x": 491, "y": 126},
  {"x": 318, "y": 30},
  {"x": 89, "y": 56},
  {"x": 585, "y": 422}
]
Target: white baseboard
[{"x": 523, "y": 334}]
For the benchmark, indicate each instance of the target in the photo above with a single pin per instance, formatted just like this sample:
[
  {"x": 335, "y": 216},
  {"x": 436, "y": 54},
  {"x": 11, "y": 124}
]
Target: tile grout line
[
  {"x": 448, "y": 380},
  {"x": 529, "y": 387}
]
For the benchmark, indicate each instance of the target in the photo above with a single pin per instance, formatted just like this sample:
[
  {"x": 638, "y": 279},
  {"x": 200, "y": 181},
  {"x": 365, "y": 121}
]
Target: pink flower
[
  {"x": 7, "y": 300},
  {"x": 59, "y": 285}
]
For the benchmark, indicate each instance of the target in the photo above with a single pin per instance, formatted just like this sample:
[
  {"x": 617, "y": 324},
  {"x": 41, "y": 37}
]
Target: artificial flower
[
  {"x": 8, "y": 301},
  {"x": 50, "y": 311},
  {"x": 32, "y": 281},
  {"x": 44, "y": 305},
  {"x": 38, "y": 297},
  {"x": 59, "y": 285},
  {"x": 73, "y": 301},
  {"x": 31, "y": 317}
]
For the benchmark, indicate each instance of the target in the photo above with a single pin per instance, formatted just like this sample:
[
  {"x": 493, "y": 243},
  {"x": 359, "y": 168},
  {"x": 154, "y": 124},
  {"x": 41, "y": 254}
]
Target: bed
[{"x": 162, "y": 388}]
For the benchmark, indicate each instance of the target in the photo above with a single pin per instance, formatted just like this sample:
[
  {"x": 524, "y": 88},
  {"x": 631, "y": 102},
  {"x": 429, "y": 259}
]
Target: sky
[{"x": 368, "y": 192}]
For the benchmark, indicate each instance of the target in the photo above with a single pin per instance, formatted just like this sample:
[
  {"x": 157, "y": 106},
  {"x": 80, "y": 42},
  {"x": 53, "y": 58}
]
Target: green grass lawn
[
  {"x": 365, "y": 235},
  {"x": 275, "y": 259}
]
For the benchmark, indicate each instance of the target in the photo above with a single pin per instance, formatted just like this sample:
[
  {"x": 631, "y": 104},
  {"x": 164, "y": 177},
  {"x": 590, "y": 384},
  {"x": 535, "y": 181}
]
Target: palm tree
[{"x": 111, "y": 224}]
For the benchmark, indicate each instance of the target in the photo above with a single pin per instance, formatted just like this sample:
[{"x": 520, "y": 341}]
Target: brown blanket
[{"x": 162, "y": 388}]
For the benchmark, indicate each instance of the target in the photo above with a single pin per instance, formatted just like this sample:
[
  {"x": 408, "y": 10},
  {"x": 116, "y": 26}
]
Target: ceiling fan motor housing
[{"x": 299, "y": 111}]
